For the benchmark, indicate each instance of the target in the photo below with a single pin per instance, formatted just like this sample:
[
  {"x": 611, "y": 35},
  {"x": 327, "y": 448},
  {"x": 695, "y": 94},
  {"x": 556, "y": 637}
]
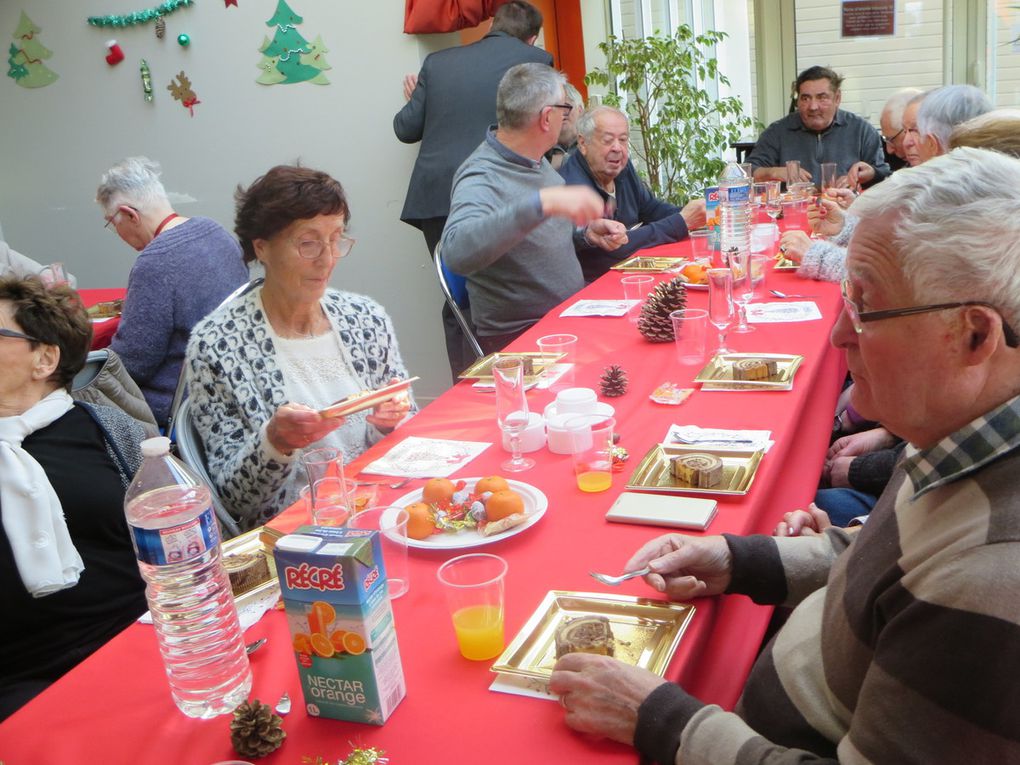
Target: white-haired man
[
  {"x": 933, "y": 115},
  {"x": 510, "y": 227},
  {"x": 898, "y": 648},
  {"x": 602, "y": 161},
  {"x": 891, "y": 122}
]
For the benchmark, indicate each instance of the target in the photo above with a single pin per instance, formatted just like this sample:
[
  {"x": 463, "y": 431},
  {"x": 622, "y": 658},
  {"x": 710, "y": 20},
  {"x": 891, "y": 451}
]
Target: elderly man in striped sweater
[{"x": 904, "y": 645}]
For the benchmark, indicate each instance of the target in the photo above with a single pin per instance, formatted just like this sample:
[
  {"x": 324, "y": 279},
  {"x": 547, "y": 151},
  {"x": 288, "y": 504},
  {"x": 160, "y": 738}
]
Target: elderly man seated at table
[
  {"x": 68, "y": 577},
  {"x": 897, "y": 648},
  {"x": 264, "y": 365},
  {"x": 509, "y": 230},
  {"x": 185, "y": 268},
  {"x": 602, "y": 161},
  {"x": 891, "y": 122},
  {"x": 819, "y": 131}
]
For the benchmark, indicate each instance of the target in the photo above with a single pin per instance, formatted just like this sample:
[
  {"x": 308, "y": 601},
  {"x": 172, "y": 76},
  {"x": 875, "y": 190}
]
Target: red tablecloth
[
  {"x": 117, "y": 704},
  {"x": 103, "y": 330}
]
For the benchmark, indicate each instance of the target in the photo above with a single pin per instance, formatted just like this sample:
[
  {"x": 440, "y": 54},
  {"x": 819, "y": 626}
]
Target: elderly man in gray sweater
[{"x": 512, "y": 222}]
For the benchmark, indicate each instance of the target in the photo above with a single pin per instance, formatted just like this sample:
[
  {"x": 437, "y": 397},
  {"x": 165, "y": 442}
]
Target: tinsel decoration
[
  {"x": 654, "y": 322},
  {"x": 614, "y": 381},
  {"x": 139, "y": 17},
  {"x": 255, "y": 731},
  {"x": 160, "y": 28},
  {"x": 367, "y": 756},
  {"x": 146, "y": 81}
]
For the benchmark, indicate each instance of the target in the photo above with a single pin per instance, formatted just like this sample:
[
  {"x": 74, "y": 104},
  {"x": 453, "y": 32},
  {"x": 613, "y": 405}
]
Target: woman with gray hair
[{"x": 186, "y": 267}]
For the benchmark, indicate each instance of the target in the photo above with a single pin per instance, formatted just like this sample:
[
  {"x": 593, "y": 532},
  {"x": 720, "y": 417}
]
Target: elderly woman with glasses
[
  {"x": 68, "y": 577},
  {"x": 263, "y": 366}
]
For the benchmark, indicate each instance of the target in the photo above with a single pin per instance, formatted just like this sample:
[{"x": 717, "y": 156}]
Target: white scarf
[{"x": 33, "y": 519}]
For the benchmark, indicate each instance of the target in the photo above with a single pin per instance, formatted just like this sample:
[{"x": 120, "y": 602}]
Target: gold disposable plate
[
  {"x": 649, "y": 264},
  {"x": 482, "y": 369},
  {"x": 785, "y": 264},
  {"x": 366, "y": 399},
  {"x": 654, "y": 472},
  {"x": 646, "y": 631},
  {"x": 253, "y": 542},
  {"x": 719, "y": 371}
]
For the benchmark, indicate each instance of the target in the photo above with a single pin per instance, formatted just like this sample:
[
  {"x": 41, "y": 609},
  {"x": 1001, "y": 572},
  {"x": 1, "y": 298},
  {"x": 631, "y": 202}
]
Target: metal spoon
[
  {"x": 255, "y": 645},
  {"x": 613, "y": 581},
  {"x": 779, "y": 294}
]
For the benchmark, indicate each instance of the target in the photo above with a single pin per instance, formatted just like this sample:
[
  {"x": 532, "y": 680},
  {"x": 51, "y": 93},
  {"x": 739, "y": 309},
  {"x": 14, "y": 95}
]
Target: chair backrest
[
  {"x": 191, "y": 450},
  {"x": 182, "y": 380},
  {"x": 442, "y": 273},
  {"x": 105, "y": 381}
]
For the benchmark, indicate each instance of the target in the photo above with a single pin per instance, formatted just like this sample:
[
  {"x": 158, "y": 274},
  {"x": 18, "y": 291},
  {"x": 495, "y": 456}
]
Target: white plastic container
[
  {"x": 177, "y": 544},
  {"x": 576, "y": 400},
  {"x": 558, "y": 438}
]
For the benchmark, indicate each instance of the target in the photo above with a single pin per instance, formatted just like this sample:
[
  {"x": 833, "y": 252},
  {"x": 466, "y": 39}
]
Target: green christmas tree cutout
[
  {"x": 26, "y": 56},
  {"x": 288, "y": 58}
]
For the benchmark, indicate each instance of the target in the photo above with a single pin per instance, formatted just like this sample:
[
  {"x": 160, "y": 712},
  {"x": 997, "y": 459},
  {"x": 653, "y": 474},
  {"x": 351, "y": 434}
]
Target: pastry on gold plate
[
  {"x": 754, "y": 369},
  {"x": 700, "y": 471},
  {"x": 246, "y": 571},
  {"x": 585, "y": 634}
]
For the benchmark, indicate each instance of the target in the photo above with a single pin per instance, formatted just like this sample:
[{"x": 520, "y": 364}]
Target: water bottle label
[
  {"x": 735, "y": 194},
  {"x": 178, "y": 543}
]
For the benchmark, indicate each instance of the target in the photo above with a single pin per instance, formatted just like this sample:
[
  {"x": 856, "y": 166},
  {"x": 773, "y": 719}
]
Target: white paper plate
[{"x": 535, "y": 504}]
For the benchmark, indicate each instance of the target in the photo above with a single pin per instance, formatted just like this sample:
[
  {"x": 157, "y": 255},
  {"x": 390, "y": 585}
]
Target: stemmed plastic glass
[
  {"x": 512, "y": 409},
  {"x": 720, "y": 303},
  {"x": 742, "y": 287},
  {"x": 774, "y": 200}
]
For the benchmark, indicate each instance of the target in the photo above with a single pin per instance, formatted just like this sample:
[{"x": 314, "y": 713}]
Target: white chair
[
  {"x": 458, "y": 314},
  {"x": 192, "y": 451}
]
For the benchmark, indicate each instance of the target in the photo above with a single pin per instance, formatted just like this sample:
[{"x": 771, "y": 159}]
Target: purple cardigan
[{"x": 180, "y": 276}]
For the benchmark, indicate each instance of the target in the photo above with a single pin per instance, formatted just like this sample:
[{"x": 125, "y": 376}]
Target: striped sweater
[{"x": 904, "y": 646}]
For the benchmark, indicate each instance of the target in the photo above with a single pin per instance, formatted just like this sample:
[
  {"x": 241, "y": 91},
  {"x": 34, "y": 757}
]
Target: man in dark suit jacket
[{"x": 451, "y": 104}]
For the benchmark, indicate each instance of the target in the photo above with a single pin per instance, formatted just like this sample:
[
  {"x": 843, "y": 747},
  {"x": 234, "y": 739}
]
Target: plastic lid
[{"x": 155, "y": 447}]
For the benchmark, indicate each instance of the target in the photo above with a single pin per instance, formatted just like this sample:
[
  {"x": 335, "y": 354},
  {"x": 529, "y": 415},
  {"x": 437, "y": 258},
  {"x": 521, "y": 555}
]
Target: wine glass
[
  {"x": 742, "y": 287},
  {"x": 512, "y": 409},
  {"x": 720, "y": 303}
]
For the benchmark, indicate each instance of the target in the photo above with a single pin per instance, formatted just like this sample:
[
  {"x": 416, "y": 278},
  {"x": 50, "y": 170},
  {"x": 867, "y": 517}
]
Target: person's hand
[
  {"x": 387, "y": 415},
  {"x": 806, "y": 523},
  {"x": 606, "y": 234},
  {"x": 295, "y": 426},
  {"x": 837, "y": 472},
  {"x": 601, "y": 695},
  {"x": 803, "y": 176},
  {"x": 842, "y": 196},
  {"x": 864, "y": 442},
  {"x": 685, "y": 567},
  {"x": 825, "y": 217},
  {"x": 578, "y": 203},
  {"x": 859, "y": 173},
  {"x": 694, "y": 214},
  {"x": 793, "y": 244},
  {"x": 410, "y": 83}
]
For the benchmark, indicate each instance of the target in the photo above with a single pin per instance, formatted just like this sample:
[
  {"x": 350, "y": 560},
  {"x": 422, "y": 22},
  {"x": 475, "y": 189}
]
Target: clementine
[
  {"x": 419, "y": 521},
  {"x": 437, "y": 490},
  {"x": 504, "y": 503},
  {"x": 491, "y": 483},
  {"x": 696, "y": 273}
]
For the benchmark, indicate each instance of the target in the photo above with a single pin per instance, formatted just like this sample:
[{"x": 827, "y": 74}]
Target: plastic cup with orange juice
[
  {"x": 591, "y": 437},
  {"x": 474, "y": 587}
]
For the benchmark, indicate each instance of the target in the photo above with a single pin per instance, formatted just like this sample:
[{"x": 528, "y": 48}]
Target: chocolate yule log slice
[
  {"x": 246, "y": 571},
  {"x": 754, "y": 369},
  {"x": 584, "y": 634},
  {"x": 701, "y": 471}
]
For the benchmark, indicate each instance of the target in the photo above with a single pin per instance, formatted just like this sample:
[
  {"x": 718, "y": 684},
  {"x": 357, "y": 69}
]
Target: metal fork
[{"x": 613, "y": 581}]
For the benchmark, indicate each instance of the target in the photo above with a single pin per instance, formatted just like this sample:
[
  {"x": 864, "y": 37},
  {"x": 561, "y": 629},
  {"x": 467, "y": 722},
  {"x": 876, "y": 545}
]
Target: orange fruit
[
  {"x": 503, "y": 503},
  {"x": 696, "y": 273},
  {"x": 437, "y": 490},
  {"x": 354, "y": 643},
  {"x": 337, "y": 639},
  {"x": 321, "y": 646},
  {"x": 302, "y": 643},
  {"x": 419, "y": 521},
  {"x": 320, "y": 617},
  {"x": 491, "y": 483}
]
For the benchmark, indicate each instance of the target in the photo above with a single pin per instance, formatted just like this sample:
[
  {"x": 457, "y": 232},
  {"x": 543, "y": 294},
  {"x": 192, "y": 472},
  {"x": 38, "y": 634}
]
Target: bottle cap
[{"x": 155, "y": 447}]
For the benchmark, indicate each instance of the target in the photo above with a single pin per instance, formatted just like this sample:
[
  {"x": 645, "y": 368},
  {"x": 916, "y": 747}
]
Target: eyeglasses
[
  {"x": 111, "y": 221},
  {"x": 4, "y": 332},
  {"x": 859, "y": 318},
  {"x": 898, "y": 134},
  {"x": 567, "y": 109},
  {"x": 310, "y": 249}
]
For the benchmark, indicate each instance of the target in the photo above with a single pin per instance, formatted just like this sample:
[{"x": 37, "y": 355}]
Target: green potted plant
[{"x": 683, "y": 130}]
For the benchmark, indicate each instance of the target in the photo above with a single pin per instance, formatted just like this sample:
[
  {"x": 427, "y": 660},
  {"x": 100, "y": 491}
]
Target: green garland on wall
[{"x": 139, "y": 17}]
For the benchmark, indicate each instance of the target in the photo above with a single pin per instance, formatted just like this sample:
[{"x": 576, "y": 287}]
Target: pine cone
[
  {"x": 654, "y": 322},
  {"x": 255, "y": 731},
  {"x": 160, "y": 28},
  {"x": 614, "y": 381}
]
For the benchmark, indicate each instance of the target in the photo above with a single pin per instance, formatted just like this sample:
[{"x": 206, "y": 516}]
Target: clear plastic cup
[
  {"x": 591, "y": 438},
  {"x": 561, "y": 344},
  {"x": 474, "y": 585},
  {"x": 636, "y": 288},
  {"x": 690, "y": 330},
  {"x": 391, "y": 523}
]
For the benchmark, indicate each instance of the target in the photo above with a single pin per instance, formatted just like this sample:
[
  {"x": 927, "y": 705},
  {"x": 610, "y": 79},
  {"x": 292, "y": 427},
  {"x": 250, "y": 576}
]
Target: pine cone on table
[
  {"x": 255, "y": 730},
  {"x": 614, "y": 381},
  {"x": 654, "y": 322}
]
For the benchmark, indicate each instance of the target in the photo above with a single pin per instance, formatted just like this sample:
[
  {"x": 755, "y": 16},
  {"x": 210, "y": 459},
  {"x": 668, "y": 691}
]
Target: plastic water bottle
[
  {"x": 735, "y": 211},
  {"x": 177, "y": 543}
]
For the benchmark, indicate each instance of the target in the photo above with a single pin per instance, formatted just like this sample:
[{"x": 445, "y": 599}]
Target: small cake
[
  {"x": 585, "y": 634},
  {"x": 701, "y": 471},
  {"x": 754, "y": 369},
  {"x": 246, "y": 571},
  {"x": 527, "y": 362}
]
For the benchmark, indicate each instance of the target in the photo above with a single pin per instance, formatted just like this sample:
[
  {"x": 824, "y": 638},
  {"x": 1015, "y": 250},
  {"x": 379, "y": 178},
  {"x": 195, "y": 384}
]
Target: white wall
[{"x": 56, "y": 141}]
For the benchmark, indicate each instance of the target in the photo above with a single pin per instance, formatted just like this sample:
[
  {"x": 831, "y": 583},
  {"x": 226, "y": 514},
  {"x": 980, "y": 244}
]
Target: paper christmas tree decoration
[
  {"x": 288, "y": 58},
  {"x": 26, "y": 56}
]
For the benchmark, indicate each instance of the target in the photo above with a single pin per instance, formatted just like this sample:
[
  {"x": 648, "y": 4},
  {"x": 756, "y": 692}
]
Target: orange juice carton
[
  {"x": 334, "y": 592},
  {"x": 712, "y": 219}
]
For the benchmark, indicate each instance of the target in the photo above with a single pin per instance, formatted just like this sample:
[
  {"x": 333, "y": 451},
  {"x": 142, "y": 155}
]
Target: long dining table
[
  {"x": 115, "y": 707},
  {"x": 104, "y": 329}
]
